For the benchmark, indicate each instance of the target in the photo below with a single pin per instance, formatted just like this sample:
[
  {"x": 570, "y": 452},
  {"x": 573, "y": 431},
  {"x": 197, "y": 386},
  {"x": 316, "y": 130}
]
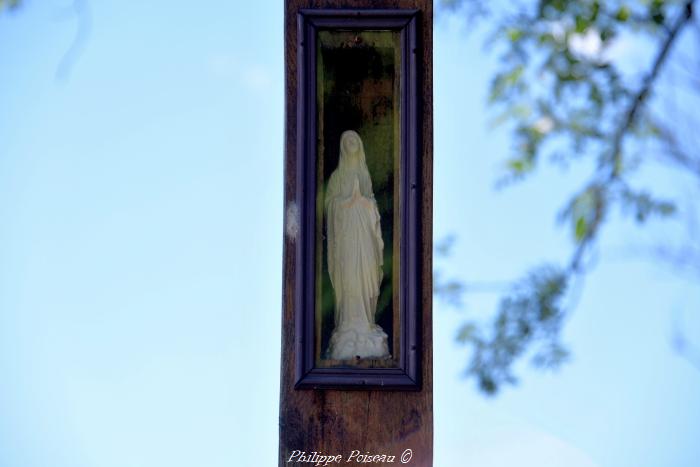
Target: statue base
[{"x": 355, "y": 344}]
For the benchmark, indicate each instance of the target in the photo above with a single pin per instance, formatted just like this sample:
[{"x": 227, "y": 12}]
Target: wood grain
[{"x": 332, "y": 421}]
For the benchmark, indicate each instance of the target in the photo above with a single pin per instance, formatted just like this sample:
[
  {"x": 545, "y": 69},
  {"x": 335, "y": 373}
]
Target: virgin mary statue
[{"x": 355, "y": 250}]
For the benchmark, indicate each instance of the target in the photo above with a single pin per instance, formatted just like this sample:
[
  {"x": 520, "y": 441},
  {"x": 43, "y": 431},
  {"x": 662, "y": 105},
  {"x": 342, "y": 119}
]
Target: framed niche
[{"x": 357, "y": 313}]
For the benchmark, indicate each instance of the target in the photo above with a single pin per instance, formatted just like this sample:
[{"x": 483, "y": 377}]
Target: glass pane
[{"x": 357, "y": 203}]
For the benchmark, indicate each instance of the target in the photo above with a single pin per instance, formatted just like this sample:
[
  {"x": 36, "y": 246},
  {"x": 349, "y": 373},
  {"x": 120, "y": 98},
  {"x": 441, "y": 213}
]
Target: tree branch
[
  {"x": 646, "y": 87},
  {"x": 630, "y": 118}
]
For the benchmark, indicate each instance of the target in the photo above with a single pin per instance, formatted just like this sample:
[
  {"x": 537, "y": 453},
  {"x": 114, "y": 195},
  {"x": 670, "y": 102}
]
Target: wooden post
[{"x": 334, "y": 422}]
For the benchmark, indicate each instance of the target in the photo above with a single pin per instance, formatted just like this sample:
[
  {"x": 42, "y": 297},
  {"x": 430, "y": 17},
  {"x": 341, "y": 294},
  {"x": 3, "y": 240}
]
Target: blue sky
[{"x": 140, "y": 258}]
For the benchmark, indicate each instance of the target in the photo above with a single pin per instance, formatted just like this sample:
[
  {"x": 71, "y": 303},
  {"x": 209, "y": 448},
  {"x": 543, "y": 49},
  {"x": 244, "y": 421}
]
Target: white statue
[{"x": 355, "y": 255}]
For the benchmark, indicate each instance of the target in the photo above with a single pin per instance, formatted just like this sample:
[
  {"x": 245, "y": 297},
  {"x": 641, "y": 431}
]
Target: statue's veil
[{"x": 345, "y": 170}]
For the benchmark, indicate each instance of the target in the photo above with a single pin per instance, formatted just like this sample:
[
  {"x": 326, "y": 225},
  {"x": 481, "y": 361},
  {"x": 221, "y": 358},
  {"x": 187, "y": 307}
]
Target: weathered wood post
[{"x": 356, "y": 376}]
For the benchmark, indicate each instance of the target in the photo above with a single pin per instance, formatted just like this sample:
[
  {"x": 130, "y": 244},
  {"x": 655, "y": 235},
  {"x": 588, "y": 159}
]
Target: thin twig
[{"x": 82, "y": 13}]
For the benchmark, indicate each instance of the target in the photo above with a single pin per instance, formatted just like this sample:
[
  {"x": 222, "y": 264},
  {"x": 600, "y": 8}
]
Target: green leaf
[
  {"x": 559, "y": 5},
  {"x": 468, "y": 332},
  {"x": 516, "y": 165},
  {"x": 520, "y": 166},
  {"x": 515, "y": 34},
  {"x": 581, "y": 24},
  {"x": 504, "y": 81},
  {"x": 580, "y": 229},
  {"x": 623, "y": 14},
  {"x": 595, "y": 9},
  {"x": 656, "y": 12},
  {"x": 606, "y": 34}
]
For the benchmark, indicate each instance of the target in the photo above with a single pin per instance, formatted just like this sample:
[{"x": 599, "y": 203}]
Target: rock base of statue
[{"x": 353, "y": 343}]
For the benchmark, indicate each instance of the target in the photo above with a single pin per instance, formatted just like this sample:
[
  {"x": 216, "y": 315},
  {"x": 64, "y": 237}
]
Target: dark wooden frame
[{"x": 407, "y": 375}]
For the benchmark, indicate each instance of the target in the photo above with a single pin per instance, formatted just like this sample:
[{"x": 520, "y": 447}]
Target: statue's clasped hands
[{"x": 357, "y": 197}]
